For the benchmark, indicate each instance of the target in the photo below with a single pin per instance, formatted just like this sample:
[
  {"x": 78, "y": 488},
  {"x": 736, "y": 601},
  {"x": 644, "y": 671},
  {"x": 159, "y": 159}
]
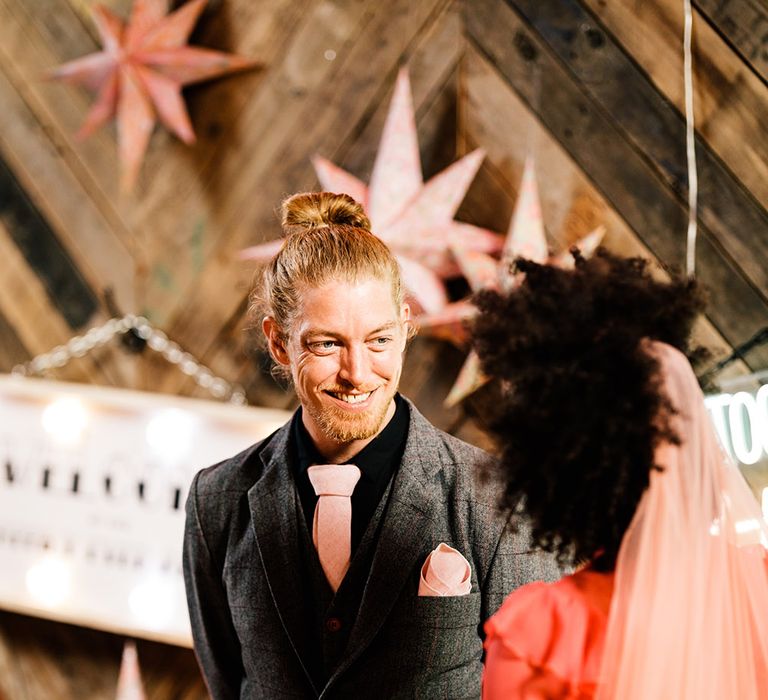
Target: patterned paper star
[
  {"x": 415, "y": 219},
  {"x": 139, "y": 73},
  {"x": 525, "y": 238},
  {"x": 450, "y": 322}
]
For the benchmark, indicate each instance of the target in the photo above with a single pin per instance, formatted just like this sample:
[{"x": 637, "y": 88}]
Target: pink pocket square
[{"x": 445, "y": 573}]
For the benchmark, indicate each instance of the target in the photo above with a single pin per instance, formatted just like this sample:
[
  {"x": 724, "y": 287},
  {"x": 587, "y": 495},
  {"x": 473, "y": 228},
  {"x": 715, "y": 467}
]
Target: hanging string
[{"x": 690, "y": 143}]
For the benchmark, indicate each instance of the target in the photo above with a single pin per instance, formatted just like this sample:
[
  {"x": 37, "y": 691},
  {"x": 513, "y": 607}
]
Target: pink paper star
[
  {"x": 450, "y": 322},
  {"x": 139, "y": 73},
  {"x": 525, "y": 238},
  {"x": 415, "y": 219},
  {"x": 129, "y": 685}
]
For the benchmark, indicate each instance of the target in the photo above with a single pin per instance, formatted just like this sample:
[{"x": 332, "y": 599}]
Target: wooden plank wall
[{"x": 592, "y": 88}]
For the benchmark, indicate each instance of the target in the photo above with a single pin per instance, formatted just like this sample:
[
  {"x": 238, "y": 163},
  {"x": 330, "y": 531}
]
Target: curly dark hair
[{"x": 581, "y": 409}]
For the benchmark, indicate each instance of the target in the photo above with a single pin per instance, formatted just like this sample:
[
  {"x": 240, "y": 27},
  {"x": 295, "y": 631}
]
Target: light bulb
[
  {"x": 152, "y": 602},
  {"x": 49, "y": 581},
  {"x": 170, "y": 433},
  {"x": 65, "y": 420}
]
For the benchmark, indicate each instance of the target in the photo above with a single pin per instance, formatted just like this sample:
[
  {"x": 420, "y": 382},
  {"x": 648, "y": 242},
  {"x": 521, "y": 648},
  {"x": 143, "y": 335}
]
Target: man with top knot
[{"x": 351, "y": 554}]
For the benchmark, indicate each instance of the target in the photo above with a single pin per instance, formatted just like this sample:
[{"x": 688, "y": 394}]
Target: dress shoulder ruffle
[{"x": 558, "y": 627}]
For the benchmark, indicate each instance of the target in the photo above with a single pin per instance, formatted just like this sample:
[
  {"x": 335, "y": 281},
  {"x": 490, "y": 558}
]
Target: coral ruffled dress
[{"x": 546, "y": 641}]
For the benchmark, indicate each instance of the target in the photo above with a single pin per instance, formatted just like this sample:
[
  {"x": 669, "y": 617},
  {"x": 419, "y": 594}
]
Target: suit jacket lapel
[
  {"x": 401, "y": 539},
  {"x": 272, "y": 501}
]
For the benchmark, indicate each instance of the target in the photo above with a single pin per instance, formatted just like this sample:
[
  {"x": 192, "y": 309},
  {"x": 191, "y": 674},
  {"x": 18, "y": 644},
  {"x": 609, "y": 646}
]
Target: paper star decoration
[
  {"x": 415, "y": 219},
  {"x": 139, "y": 73},
  {"x": 525, "y": 238},
  {"x": 129, "y": 685}
]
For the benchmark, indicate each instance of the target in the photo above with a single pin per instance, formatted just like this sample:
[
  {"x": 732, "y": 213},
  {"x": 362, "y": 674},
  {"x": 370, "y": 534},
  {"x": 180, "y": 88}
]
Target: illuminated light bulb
[
  {"x": 49, "y": 581},
  {"x": 65, "y": 421},
  {"x": 170, "y": 434},
  {"x": 152, "y": 602}
]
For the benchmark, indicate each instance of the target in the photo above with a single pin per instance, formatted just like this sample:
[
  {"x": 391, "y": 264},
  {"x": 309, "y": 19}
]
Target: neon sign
[{"x": 741, "y": 422}]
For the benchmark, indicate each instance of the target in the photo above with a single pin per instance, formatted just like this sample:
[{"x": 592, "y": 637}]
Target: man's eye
[
  {"x": 382, "y": 341},
  {"x": 324, "y": 345}
]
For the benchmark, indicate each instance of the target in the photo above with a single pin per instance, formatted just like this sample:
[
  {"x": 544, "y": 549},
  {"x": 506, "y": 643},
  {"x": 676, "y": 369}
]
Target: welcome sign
[{"x": 93, "y": 483}]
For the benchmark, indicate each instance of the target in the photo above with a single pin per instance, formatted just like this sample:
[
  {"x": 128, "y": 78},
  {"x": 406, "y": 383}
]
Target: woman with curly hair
[{"x": 607, "y": 446}]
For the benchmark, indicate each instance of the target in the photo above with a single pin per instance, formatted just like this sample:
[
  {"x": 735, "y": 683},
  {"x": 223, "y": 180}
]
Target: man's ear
[
  {"x": 405, "y": 317},
  {"x": 275, "y": 341}
]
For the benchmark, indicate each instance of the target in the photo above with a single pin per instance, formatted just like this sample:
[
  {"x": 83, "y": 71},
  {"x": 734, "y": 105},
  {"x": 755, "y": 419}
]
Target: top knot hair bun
[
  {"x": 321, "y": 209},
  {"x": 326, "y": 238}
]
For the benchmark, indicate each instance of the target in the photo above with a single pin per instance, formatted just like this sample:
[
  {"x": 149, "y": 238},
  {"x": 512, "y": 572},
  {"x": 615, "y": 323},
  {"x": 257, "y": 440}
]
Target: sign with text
[
  {"x": 740, "y": 416},
  {"x": 93, "y": 483}
]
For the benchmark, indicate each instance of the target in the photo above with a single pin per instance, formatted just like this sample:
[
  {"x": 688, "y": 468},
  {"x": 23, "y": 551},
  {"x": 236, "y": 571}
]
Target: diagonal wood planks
[
  {"x": 50, "y": 181},
  {"x": 64, "y": 285},
  {"x": 653, "y": 127},
  {"x": 730, "y": 101},
  {"x": 623, "y": 173},
  {"x": 744, "y": 23},
  {"x": 38, "y": 324}
]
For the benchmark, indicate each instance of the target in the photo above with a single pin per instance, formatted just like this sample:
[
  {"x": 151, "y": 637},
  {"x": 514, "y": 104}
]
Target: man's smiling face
[{"x": 345, "y": 354}]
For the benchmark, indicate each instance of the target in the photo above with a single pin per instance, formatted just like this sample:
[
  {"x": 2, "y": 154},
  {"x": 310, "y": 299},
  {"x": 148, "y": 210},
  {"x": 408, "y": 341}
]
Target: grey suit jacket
[{"x": 241, "y": 551}]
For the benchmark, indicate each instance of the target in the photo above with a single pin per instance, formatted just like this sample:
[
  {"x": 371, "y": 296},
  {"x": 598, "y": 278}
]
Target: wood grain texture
[
  {"x": 623, "y": 175},
  {"x": 65, "y": 287},
  {"x": 38, "y": 323},
  {"x": 610, "y": 78},
  {"x": 237, "y": 204},
  {"x": 28, "y": 52},
  {"x": 179, "y": 221},
  {"x": 744, "y": 23},
  {"x": 729, "y": 99},
  {"x": 12, "y": 349},
  {"x": 46, "y": 660},
  {"x": 49, "y": 181}
]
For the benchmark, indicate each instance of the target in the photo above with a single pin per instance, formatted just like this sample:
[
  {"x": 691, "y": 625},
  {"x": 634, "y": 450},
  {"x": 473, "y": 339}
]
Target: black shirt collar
[{"x": 375, "y": 460}]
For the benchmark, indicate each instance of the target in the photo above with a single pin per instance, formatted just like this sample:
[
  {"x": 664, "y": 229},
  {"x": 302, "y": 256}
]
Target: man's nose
[{"x": 354, "y": 365}]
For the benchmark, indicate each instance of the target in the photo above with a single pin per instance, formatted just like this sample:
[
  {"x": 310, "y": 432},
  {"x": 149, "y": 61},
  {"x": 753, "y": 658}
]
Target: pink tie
[{"x": 332, "y": 526}]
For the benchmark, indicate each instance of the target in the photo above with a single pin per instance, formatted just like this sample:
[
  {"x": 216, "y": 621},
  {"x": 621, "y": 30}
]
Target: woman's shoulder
[
  {"x": 560, "y": 625},
  {"x": 586, "y": 588}
]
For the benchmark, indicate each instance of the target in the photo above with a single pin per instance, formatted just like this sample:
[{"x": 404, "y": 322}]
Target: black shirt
[{"x": 378, "y": 462}]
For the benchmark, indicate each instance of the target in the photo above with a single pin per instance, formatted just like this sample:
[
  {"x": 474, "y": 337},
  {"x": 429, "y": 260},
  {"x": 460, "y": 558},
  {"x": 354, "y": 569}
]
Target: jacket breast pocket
[
  {"x": 435, "y": 633},
  {"x": 447, "y": 612}
]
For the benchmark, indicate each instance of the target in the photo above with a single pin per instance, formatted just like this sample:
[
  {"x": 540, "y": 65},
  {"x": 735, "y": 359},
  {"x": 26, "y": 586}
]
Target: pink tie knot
[{"x": 334, "y": 479}]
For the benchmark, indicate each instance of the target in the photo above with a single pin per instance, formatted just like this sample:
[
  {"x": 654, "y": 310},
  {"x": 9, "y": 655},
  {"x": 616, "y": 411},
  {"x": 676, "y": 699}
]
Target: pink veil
[{"x": 689, "y": 615}]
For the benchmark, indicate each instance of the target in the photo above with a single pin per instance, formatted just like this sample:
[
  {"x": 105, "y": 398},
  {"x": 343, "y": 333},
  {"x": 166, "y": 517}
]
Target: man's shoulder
[
  {"x": 464, "y": 466},
  {"x": 451, "y": 449},
  {"x": 463, "y": 451}
]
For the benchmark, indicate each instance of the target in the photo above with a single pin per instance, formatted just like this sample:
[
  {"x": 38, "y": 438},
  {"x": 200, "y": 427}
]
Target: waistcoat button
[{"x": 333, "y": 624}]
